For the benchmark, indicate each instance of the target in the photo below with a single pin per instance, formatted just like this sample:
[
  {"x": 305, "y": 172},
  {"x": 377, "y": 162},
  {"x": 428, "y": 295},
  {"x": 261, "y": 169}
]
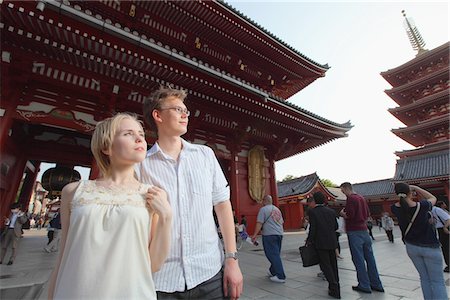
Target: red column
[
  {"x": 27, "y": 187},
  {"x": 273, "y": 181},
  {"x": 234, "y": 183}
]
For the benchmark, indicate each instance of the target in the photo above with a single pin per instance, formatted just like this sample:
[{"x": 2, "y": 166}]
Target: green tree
[
  {"x": 287, "y": 178},
  {"x": 328, "y": 183}
]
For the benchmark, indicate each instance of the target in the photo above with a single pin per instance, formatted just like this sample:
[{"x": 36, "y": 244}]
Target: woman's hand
[{"x": 157, "y": 201}]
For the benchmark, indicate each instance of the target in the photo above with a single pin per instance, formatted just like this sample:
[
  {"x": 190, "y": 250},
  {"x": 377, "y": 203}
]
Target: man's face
[
  {"x": 174, "y": 117},
  {"x": 14, "y": 210}
]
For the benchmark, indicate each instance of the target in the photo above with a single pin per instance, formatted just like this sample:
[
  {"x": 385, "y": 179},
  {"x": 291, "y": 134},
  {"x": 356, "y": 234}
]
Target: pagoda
[{"x": 421, "y": 87}]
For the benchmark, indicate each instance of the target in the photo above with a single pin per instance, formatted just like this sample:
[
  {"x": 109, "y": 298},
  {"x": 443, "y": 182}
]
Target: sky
[{"x": 358, "y": 40}]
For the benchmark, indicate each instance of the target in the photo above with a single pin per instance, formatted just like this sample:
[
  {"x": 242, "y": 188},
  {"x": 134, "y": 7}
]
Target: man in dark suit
[{"x": 322, "y": 234}]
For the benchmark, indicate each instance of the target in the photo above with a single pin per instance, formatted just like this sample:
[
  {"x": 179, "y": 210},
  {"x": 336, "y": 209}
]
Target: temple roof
[
  {"x": 374, "y": 188},
  {"x": 394, "y": 76},
  {"x": 297, "y": 186},
  {"x": 427, "y": 166},
  {"x": 273, "y": 36}
]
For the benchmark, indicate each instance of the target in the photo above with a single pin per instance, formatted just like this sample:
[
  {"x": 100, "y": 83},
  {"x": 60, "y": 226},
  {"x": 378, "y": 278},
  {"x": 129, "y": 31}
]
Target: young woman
[
  {"x": 419, "y": 235},
  {"x": 115, "y": 230}
]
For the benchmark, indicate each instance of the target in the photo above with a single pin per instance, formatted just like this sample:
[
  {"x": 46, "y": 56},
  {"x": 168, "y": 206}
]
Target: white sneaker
[
  {"x": 269, "y": 273},
  {"x": 276, "y": 279}
]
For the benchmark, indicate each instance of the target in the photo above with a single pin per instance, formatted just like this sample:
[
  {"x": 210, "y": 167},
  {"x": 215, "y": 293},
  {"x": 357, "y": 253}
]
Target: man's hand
[{"x": 232, "y": 279}]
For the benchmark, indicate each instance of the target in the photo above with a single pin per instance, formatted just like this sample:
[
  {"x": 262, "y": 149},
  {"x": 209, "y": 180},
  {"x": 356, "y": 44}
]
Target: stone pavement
[{"x": 27, "y": 277}]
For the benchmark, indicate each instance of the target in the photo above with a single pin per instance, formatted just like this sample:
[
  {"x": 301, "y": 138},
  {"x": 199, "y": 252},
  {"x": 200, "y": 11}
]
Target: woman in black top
[{"x": 420, "y": 239}]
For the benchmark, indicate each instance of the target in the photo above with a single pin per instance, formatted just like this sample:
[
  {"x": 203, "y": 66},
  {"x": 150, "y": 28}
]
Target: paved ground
[{"x": 27, "y": 277}]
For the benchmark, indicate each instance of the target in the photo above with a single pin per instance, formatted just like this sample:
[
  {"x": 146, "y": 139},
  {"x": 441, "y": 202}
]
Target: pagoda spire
[{"x": 414, "y": 36}]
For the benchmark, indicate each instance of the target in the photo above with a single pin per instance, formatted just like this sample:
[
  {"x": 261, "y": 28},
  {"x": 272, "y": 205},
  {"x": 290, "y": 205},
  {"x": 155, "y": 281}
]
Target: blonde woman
[{"x": 115, "y": 230}]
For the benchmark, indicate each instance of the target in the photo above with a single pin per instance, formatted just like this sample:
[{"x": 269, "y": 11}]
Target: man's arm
[{"x": 232, "y": 277}]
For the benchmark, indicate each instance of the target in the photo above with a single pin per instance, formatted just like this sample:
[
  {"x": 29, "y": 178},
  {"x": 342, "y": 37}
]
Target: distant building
[{"x": 293, "y": 195}]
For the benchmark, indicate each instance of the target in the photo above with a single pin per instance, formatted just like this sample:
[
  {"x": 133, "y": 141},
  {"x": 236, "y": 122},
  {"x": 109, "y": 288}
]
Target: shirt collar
[{"x": 156, "y": 149}]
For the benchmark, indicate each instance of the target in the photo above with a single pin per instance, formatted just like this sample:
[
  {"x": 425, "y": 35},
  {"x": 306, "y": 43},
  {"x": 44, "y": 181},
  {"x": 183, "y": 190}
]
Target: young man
[
  {"x": 355, "y": 214},
  {"x": 196, "y": 185},
  {"x": 13, "y": 231},
  {"x": 322, "y": 234},
  {"x": 270, "y": 222}
]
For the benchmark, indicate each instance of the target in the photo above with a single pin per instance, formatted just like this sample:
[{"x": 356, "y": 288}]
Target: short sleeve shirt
[{"x": 272, "y": 219}]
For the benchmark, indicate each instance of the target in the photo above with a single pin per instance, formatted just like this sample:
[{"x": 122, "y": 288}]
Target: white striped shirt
[{"x": 194, "y": 185}]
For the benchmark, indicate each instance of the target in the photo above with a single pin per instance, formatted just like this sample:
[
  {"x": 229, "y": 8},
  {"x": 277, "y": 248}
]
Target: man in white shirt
[
  {"x": 196, "y": 185},
  {"x": 442, "y": 223}
]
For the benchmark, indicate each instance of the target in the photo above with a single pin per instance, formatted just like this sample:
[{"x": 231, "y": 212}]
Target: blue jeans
[
  {"x": 428, "y": 262},
  {"x": 362, "y": 254},
  {"x": 272, "y": 249}
]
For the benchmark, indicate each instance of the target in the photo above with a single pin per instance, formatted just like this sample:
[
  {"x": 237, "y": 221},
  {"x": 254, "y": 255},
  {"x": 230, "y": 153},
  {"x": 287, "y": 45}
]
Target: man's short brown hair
[{"x": 155, "y": 100}]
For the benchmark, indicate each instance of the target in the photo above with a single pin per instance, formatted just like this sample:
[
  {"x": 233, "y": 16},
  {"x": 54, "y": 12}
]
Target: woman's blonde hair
[{"x": 103, "y": 137}]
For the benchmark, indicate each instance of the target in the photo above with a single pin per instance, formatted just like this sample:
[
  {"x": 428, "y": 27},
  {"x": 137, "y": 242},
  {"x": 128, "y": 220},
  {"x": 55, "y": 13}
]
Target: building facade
[{"x": 68, "y": 64}]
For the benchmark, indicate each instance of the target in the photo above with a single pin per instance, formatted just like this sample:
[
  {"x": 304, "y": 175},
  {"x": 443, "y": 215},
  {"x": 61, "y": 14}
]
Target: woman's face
[{"x": 129, "y": 145}]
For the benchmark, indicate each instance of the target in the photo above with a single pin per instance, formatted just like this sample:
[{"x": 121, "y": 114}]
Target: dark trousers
[
  {"x": 328, "y": 265},
  {"x": 390, "y": 235},
  {"x": 443, "y": 238},
  {"x": 210, "y": 289}
]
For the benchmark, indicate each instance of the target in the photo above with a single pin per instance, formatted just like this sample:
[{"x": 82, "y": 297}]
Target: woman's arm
[
  {"x": 160, "y": 231},
  {"x": 66, "y": 199},
  {"x": 427, "y": 195}
]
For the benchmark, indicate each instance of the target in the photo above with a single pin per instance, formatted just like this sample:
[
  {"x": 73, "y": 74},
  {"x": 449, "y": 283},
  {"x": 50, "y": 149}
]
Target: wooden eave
[
  {"x": 401, "y": 94},
  {"x": 405, "y": 113},
  {"x": 415, "y": 134},
  {"x": 180, "y": 23},
  {"x": 430, "y": 148},
  {"x": 414, "y": 64}
]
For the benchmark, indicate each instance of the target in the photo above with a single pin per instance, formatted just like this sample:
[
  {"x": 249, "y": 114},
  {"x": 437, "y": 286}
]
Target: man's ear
[{"x": 156, "y": 114}]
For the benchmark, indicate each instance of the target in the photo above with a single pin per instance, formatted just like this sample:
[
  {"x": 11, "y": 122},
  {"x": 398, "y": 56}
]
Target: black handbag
[{"x": 309, "y": 255}]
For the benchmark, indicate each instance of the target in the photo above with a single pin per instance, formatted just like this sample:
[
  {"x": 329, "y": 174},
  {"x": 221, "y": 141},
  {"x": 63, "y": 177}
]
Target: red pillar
[
  {"x": 234, "y": 183},
  {"x": 28, "y": 186},
  {"x": 273, "y": 181}
]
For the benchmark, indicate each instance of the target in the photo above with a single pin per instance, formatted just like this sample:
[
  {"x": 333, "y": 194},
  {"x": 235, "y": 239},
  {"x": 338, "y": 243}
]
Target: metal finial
[{"x": 414, "y": 36}]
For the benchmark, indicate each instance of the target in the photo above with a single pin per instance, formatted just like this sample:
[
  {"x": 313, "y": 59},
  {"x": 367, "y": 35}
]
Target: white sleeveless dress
[{"x": 106, "y": 254}]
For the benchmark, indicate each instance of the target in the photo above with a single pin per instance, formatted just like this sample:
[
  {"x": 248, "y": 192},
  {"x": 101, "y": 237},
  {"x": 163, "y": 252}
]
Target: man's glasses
[{"x": 178, "y": 109}]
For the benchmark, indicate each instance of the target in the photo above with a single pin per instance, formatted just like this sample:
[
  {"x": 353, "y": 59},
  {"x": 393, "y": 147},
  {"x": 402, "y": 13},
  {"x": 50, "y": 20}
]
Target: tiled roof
[
  {"x": 297, "y": 186},
  {"x": 424, "y": 166},
  {"x": 340, "y": 196},
  {"x": 374, "y": 188},
  {"x": 271, "y": 34}
]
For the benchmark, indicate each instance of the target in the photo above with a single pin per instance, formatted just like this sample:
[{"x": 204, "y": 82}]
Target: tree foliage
[{"x": 328, "y": 183}]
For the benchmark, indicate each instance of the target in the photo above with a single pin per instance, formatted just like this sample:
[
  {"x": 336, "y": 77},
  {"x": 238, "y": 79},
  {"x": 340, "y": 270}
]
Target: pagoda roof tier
[
  {"x": 402, "y": 74},
  {"x": 422, "y": 133},
  {"x": 211, "y": 33},
  {"x": 429, "y": 148},
  {"x": 302, "y": 187},
  {"x": 427, "y": 167},
  {"x": 419, "y": 88},
  {"x": 72, "y": 61},
  {"x": 383, "y": 188},
  {"x": 423, "y": 108}
]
